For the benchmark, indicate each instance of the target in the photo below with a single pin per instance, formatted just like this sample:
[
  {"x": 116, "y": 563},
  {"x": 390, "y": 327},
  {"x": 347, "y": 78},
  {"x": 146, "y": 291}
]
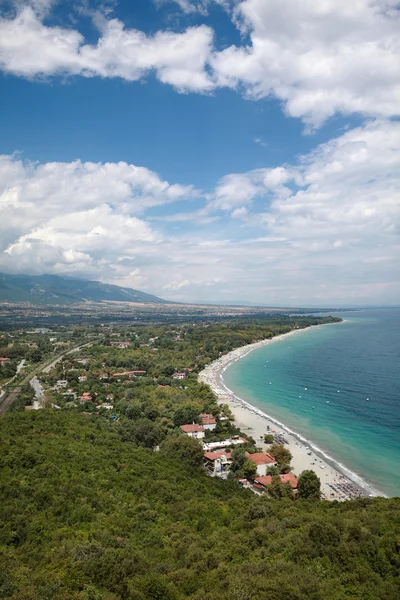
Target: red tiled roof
[
  {"x": 289, "y": 478},
  {"x": 192, "y": 428},
  {"x": 3, "y": 359},
  {"x": 261, "y": 458},
  {"x": 208, "y": 419},
  {"x": 286, "y": 478},
  {"x": 215, "y": 455},
  {"x": 265, "y": 480}
]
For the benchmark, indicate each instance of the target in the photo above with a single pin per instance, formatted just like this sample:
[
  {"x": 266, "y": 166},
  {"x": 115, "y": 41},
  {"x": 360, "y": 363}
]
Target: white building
[
  {"x": 262, "y": 462},
  {"x": 208, "y": 421},
  {"x": 193, "y": 430}
]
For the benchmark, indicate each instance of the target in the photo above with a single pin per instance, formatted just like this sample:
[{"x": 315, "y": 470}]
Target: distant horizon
[
  {"x": 204, "y": 149},
  {"x": 239, "y": 303}
]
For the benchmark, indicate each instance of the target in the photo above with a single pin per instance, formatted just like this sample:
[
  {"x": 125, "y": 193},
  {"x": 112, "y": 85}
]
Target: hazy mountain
[{"x": 52, "y": 289}]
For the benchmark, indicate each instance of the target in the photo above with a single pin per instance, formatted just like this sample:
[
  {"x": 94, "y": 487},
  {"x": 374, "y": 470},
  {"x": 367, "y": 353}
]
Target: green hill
[
  {"x": 52, "y": 289},
  {"x": 86, "y": 515}
]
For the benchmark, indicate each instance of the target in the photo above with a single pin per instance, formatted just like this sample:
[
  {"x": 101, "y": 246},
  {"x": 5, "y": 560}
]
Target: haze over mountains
[{"x": 53, "y": 289}]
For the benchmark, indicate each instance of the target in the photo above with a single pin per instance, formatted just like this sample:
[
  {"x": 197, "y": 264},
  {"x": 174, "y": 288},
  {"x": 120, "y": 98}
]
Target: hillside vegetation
[
  {"x": 87, "y": 515},
  {"x": 52, "y": 289}
]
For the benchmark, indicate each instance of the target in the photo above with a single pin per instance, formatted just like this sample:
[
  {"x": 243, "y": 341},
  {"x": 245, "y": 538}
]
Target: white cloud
[
  {"x": 188, "y": 6},
  {"x": 68, "y": 216},
  {"x": 29, "y": 48},
  {"x": 318, "y": 57},
  {"x": 323, "y": 230}
]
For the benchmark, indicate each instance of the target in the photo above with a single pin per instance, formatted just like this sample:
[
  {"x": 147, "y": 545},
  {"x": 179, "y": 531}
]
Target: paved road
[{"x": 9, "y": 397}]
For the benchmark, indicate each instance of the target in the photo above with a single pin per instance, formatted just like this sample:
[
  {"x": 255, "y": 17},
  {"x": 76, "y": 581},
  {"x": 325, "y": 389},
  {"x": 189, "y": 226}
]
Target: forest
[{"x": 88, "y": 514}]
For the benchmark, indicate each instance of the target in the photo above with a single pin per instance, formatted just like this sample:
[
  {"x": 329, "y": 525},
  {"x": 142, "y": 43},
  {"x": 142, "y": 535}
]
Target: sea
[{"x": 338, "y": 386}]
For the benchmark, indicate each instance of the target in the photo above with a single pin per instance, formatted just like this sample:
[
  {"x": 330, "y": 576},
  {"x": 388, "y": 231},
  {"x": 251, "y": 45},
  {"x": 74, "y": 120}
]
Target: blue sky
[{"x": 204, "y": 150}]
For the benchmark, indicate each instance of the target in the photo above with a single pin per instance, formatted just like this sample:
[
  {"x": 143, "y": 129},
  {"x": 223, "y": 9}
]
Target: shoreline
[{"x": 338, "y": 482}]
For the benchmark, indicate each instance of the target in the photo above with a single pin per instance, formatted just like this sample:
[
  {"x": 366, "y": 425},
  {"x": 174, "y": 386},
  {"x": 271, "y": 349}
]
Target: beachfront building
[
  {"x": 233, "y": 441},
  {"x": 193, "y": 430},
  {"x": 217, "y": 462},
  {"x": 262, "y": 462},
  {"x": 266, "y": 480},
  {"x": 208, "y": 421}
]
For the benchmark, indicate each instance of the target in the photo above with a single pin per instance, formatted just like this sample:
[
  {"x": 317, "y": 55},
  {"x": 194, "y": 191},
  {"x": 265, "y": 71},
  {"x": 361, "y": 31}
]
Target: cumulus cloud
[
  {"x": 320, "y": 231},
  {"x": 319, "y": 58},
  {"x": 69, "y": 216},
  {"x": 29, "y": 48}
]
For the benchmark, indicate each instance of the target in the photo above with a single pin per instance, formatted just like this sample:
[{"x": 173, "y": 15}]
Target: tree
[
  {"x": 268, "y": 438},
  {"x": 184, "y": 415},
  {"x": 48, "y": 399},
  {"x": 183, "y": 448},
  {"x": 35, "y": 356},
  {"x": 281, "y": 454},
  {"x": 238, "y": 460},
  {"x": 143, "y": 432},
  {"x": 309, "y": 485},
  {"x": 273, "y": 470},
  {"x": 249, "y": 469},
  {"x": 277, "y": 489}
]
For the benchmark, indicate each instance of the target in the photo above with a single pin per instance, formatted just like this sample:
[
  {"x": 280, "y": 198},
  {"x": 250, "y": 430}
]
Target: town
[{"x": 144, "y": 378}]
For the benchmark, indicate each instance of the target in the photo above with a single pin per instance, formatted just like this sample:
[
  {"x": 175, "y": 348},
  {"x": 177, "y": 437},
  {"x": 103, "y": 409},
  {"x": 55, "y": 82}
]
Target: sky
[{"x": 204, "y": 150}]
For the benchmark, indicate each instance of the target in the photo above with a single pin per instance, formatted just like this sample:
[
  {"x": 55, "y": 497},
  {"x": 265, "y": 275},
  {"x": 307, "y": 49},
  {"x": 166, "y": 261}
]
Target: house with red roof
[
  {"x": 217, "y": 462},
  {"x": 266, "y": 480},
  {"x": 193, "y": 430},
  {"x": 3, "y": 361},
  {"x": 179, "y": 376},
  {"x": 208, "y": 421},
  {"x": 86, "y": 397},
  {"x": 262, "y": 462}
]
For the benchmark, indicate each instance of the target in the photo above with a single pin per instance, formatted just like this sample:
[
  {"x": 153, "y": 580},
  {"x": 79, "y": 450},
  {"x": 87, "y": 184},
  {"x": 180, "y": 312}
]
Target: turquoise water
[{"x": 341, "y": 366}]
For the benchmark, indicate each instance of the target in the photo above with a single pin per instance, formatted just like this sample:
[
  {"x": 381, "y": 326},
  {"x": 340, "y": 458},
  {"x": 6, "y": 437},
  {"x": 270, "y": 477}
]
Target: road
[
  {"x": 9, "y": 397},
  {"x": 39, "y": 392}
]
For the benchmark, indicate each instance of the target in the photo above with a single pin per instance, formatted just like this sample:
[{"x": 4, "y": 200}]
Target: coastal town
[{"x": 131, "y": 376}]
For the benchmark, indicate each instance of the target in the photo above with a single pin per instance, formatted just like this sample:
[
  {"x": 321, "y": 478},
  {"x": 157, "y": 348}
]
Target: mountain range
[{"x": 53, "y": 289}]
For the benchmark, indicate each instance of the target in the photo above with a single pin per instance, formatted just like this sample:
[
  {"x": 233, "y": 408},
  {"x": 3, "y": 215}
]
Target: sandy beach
[{"x": 335, "y": 483}]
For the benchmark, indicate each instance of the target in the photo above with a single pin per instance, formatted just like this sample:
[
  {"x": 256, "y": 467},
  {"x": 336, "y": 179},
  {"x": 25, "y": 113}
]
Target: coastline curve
[{"x": 249, "y": 417}]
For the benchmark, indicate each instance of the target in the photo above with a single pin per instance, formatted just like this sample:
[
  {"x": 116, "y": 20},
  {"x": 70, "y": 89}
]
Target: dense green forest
[{"x": 86, "y": 514}]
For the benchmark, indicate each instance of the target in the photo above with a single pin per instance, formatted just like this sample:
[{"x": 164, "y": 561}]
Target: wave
[{"x": 352, "y": 475}]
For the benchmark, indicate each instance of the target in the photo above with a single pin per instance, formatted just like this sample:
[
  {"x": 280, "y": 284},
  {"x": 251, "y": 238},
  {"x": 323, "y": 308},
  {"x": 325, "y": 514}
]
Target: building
[
  {"x": 208, "y": 421},
  {"x": 86, "y": 397},
  {"x": 83, "y": 361},
  {"x": 266, "y": 480},
  {"x": 193, "y": 430},
  {"x": 82, "y": 378},
  {"x": 106, "y": 405},
  {"x": 129, "y": 374},
  {"x": 228, "y": 443},
  {"x": 262, "y": 462},
  {"x": 3, "y": 361},
  {"x": 179, "y": 376},
  {"x": 61, "y": 383},
  {"x": 217, "y": 462},
  {"x": 121, "y": 344}
]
